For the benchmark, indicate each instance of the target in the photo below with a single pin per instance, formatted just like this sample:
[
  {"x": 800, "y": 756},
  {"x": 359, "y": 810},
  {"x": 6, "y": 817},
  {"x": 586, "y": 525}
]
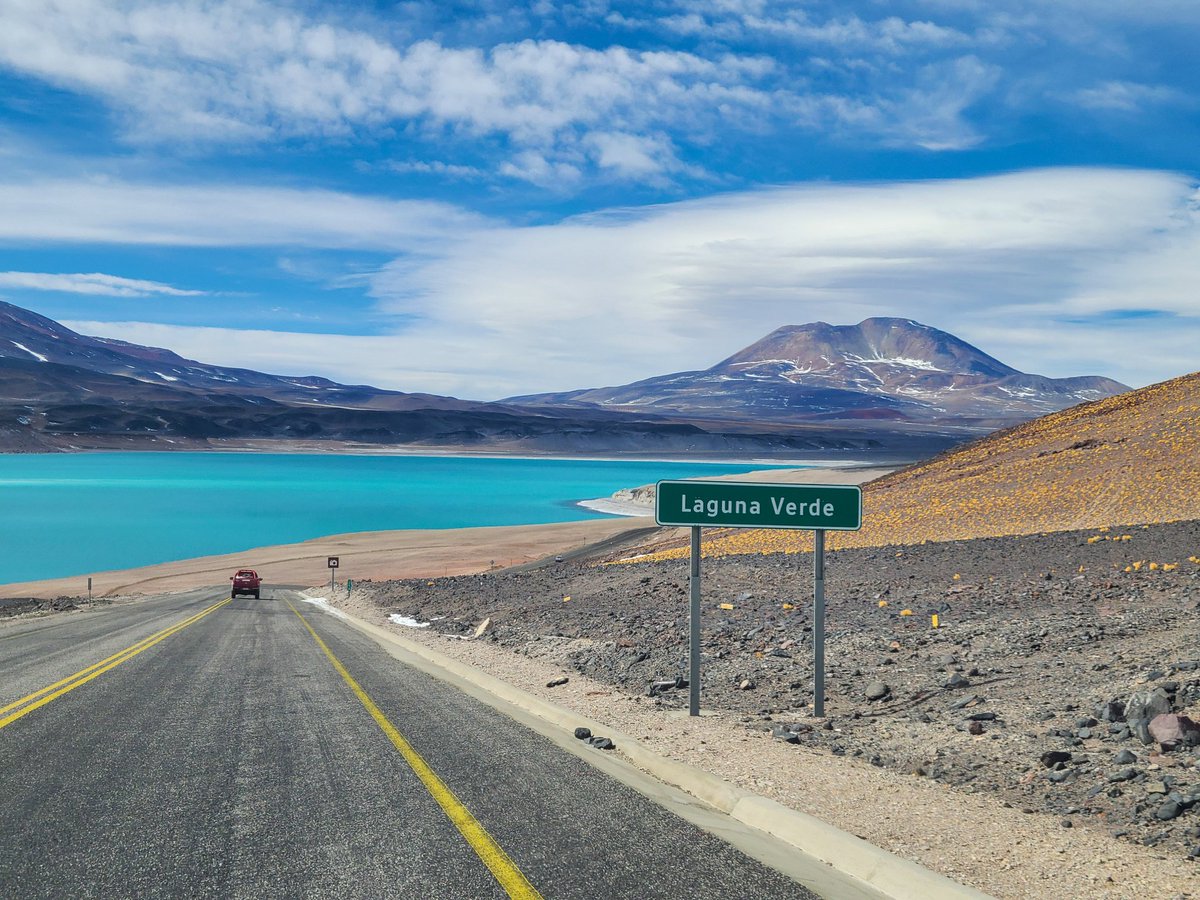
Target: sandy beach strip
[
  {"x": 368, "y": 554},
  {"x": 381, "y": 555}
]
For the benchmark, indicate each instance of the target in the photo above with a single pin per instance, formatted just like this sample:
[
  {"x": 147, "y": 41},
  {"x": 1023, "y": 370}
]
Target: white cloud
[
  {"x": 1051, "y": 271},
  {"x": 602, "y": 299},
  {"x": 107, "y": 211},
  {"x": 1127, "y": 96},
  {"x": 436, "y": 167},
  {"x": 91, "y": 283},
  {"x": 632, "y": 156},
  {"x": 208, "y": 72},
  {"x": 929, "y": 112},
  {"x": 236, "y": 70},
  {"x": 890, "y": 35}
]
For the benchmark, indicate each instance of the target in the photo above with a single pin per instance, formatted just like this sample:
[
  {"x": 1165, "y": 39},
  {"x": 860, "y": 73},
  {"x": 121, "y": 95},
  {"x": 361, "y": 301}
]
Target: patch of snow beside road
[
  {"x": 325, "y": 606},
  {"x": 407, "y": 621}
]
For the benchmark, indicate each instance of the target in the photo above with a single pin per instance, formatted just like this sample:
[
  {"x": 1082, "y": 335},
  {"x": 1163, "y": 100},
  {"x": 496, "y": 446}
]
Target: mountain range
[{"x": 887, "y": 387}]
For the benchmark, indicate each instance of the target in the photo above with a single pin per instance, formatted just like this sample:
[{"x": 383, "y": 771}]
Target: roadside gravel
[{"x": 1042, "y": 641}]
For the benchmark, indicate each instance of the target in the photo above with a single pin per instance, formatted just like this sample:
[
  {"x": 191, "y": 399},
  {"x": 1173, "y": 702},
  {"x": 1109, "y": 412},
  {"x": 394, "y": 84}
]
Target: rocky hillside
[
  {"x": 1132, "y": 458},
  {"x": 880, "y": 369}
]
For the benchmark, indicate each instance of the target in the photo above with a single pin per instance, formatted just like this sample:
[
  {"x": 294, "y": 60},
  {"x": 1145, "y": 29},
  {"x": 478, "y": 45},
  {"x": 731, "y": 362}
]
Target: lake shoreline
[
  {"x": 80, "y": 514},
  {"x": 391, "y": 554}
]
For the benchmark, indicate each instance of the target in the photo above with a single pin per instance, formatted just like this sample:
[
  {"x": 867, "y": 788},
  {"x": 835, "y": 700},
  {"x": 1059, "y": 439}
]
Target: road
[{"x": 193, "y": 745}]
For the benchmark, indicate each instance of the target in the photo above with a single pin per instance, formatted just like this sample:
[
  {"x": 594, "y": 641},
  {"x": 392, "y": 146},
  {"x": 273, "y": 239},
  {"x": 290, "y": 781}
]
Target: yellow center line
[
  {"x": 502, "y": 867},
  {"x": 51, "y": 692}
]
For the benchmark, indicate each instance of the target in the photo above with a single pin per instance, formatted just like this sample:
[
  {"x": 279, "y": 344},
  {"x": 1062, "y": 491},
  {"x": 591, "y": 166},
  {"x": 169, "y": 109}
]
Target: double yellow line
[{"x": 38, "y": 699}]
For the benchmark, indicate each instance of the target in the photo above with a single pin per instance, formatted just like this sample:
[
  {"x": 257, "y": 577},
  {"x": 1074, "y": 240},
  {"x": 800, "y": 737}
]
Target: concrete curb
[{"x": 878, "y": 869}]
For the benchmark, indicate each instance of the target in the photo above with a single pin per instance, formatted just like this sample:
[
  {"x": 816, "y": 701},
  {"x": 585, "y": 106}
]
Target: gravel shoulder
[{"x": 998, "y": 753}]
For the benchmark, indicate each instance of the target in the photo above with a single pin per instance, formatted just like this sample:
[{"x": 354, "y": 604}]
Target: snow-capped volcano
[{"x": 880, "y": 368}]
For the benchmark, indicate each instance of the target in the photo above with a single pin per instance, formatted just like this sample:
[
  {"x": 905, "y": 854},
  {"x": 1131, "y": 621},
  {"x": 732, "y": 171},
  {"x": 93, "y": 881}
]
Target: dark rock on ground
[{"x": 876, "y": 690}]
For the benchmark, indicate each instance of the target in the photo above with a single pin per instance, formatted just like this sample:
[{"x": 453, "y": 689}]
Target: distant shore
[
  {"x": 818, "y": 460},
  {"x": 382, "y": 555}
]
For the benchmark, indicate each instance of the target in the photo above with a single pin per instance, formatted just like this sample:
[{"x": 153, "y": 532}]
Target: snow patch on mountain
[{"x": 30, "y": 352}]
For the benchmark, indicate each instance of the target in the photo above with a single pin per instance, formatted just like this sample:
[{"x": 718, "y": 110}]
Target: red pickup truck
[{"x": 246, "y": 581}]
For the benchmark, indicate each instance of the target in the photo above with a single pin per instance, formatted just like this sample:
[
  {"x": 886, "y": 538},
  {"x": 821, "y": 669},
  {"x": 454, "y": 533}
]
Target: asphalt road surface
[{"x": 195, "y": 746}]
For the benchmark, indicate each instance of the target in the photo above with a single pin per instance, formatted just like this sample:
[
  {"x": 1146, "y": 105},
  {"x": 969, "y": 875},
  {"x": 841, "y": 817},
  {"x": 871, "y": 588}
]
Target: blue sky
[{"x": 484, "y": 199}]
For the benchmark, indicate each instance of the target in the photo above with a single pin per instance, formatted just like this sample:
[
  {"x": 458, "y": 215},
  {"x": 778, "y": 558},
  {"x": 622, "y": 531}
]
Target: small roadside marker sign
[{"x": 333, "y": 562}]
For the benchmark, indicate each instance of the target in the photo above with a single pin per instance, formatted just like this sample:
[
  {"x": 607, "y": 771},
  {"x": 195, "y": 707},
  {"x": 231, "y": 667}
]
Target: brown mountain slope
[{"x": 1129, "y": 459}]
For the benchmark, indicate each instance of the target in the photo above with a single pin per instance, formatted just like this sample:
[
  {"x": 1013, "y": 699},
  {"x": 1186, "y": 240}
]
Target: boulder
[
  {"x": 1112, "y": 711},
  {"x": 1142, "y": 708},
  {"x": 1168, "y": 811},
  {"x": 877, "y": 690},
  {"x": 1173, "y": 731}
]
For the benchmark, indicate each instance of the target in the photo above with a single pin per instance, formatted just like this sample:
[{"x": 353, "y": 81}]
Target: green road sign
[{"x": 740, "y": 504}]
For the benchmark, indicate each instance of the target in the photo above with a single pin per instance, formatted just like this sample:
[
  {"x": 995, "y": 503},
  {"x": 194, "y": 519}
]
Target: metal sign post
[
  {"x": 736, "y": 504},
  {"x": 694, "y": 643},
  {"x": 819, "y": 623},
  {"x": 332, "y": 562}
]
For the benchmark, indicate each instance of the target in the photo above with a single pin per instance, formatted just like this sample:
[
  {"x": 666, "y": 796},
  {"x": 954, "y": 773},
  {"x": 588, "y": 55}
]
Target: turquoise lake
[{"x": 73, "y": 514}]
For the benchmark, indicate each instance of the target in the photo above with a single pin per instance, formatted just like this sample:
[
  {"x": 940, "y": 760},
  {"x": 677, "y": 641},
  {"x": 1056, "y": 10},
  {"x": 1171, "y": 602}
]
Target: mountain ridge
[
  {"x": 62, "y": 391},
  {"x": 885, "y": 386}
]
